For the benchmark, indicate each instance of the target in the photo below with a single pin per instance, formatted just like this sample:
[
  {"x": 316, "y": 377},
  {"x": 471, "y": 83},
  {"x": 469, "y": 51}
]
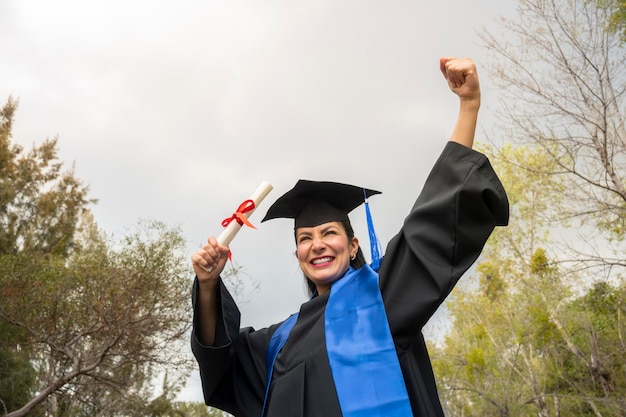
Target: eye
[{"x": 303, "y": 238}]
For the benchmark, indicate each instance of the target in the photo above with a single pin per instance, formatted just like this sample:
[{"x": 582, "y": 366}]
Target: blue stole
[
  {"x": 361, "y": 351},
  {"x": 277, "y": 341}
]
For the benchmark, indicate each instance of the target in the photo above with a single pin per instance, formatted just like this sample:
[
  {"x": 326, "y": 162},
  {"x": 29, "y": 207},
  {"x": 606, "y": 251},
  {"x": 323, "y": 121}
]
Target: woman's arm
[
  {"x": 456, "y": 211},
  {"x": 211, "y": 256},
  {"x": 462, "y": 78},
  {"x": 231, "y": 360}
]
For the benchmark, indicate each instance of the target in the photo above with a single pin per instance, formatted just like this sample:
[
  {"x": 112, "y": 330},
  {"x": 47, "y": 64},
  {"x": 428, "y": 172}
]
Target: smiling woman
[
  {"x": 324, "y": 253},
  {"x": 325, "y": 242},
  {"x": 355, "y": 348}
]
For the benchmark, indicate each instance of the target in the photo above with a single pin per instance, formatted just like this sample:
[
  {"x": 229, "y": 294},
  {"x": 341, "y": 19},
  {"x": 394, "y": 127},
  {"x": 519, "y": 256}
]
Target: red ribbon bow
[{"x": 238, "y": 215}]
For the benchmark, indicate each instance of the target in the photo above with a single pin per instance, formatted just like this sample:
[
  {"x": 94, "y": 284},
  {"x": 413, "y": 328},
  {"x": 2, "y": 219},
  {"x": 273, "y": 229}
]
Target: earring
[{"x": 353, "y": 257}]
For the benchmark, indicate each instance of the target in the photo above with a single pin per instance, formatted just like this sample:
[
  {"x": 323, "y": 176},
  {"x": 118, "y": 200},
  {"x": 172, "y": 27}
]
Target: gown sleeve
[
  {"x": 461, "y": 203},
  {"x": 232, "y": 371}
]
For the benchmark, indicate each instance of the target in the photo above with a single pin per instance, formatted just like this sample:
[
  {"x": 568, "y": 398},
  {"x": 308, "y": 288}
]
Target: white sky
[{"x": 177, "y": 111}]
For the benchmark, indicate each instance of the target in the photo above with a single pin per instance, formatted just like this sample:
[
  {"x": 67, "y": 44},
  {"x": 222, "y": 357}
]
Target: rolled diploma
[{"x": 233, "y": 227}]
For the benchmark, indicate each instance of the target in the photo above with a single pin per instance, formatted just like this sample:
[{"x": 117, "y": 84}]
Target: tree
[
  {"x": 563, "y": 81},
  {"x": 39, "y": 210},
  {"x": 102, "y": 323},
  {"x": 87, "y": 324},
  {"x": 40, "y": 205},
  {"x": 531, "y": 337}
]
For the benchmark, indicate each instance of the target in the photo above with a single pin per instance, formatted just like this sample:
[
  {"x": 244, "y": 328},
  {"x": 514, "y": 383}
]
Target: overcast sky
[{"x": 177, "y": 111}]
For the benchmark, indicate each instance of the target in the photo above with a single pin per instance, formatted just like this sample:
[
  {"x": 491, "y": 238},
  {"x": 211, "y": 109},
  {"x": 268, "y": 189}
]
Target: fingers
[
  {"x": 208, "y": 261},
  {"x": 461, "y": 75},
  {"x": 455, "y": 70}
]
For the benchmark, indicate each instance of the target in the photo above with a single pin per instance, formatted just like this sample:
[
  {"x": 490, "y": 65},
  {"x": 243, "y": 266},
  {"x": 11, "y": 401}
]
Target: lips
[{"x": 322, "y": 260}]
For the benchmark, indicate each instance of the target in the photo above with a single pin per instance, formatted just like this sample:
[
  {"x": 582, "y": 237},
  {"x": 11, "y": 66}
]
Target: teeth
[{"x": 322, "y": 260}]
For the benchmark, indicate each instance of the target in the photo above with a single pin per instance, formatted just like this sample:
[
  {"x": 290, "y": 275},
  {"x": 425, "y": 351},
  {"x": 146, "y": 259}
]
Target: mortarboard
[{"x": 311, "y": 203}]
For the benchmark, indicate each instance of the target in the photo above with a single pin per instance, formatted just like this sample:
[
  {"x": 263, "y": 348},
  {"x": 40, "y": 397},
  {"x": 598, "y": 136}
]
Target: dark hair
[{"x": 356, "y": 263}]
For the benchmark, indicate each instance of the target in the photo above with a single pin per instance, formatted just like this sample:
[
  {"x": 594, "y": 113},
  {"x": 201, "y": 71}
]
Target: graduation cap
[{"x": 311, "y": 203}]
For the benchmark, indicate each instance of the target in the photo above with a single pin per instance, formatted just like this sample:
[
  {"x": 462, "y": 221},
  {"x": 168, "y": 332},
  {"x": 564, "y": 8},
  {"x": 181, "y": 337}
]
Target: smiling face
[{"x": 324, "y": 253}]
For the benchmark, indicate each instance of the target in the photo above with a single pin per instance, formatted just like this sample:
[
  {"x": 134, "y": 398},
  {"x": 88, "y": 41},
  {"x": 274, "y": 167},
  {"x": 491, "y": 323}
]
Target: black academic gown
[{"x": 461, "y": 202}]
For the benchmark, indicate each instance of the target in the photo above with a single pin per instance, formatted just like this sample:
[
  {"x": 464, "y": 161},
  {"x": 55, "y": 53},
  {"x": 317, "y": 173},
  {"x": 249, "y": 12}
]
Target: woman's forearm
[
  {"x": 207, "y": 312},
  {"x": 465, "y": 127}
]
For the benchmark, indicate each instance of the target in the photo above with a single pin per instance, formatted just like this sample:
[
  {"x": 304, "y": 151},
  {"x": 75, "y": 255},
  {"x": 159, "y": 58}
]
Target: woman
[{"x": 356, "y": 348}]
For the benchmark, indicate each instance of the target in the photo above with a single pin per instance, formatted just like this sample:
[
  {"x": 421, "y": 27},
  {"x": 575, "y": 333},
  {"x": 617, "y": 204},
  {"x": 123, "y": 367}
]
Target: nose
[{"x": 318, "y": 244}]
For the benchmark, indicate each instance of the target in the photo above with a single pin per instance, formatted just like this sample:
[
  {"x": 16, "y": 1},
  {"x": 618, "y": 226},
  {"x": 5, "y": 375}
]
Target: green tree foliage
[
  {"x": 87, "y": 324},
  {"x": 40, "y": 205},
  {"x": 594, "y": 359},
  {"x": 102, "y": 323},
  {"x": 617, "y": 22},
  {"x": 17, "y": 376}
]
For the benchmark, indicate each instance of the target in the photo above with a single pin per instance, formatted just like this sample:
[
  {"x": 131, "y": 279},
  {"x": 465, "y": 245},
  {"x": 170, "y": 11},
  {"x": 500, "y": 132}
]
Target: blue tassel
[{"x": 375, "y": 247}]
